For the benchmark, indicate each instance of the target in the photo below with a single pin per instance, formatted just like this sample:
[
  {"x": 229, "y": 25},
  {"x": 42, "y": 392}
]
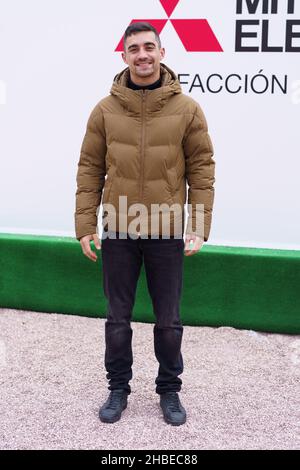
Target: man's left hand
[{"x": 193, "y": 244}]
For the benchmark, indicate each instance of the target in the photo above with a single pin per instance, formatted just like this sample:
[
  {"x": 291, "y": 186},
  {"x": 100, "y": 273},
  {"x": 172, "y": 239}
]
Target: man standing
[{"x": 150, "y": 140}]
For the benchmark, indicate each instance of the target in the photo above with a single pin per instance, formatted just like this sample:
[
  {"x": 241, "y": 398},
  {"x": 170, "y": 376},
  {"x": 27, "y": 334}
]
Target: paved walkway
[{"x": 240, "y": 388}]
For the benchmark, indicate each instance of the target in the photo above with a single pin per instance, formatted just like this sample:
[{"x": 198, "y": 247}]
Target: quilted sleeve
[
  {"x": 90, "y": 175},
  {"x": 200, "y": 174}
]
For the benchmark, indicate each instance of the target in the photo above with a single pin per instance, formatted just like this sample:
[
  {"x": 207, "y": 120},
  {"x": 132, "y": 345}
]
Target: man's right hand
[{"x": 86, "y": 247}]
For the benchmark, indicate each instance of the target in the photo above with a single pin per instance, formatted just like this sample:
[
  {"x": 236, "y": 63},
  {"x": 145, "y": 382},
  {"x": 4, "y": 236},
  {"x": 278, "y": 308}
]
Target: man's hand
[
  {"x": 86, "y": 247},
  {"x": 192, "y": 244}
]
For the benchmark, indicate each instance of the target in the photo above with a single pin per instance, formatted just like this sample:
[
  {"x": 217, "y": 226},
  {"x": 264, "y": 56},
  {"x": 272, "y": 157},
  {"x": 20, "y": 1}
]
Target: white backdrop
[{"x": 58, "y": 59}]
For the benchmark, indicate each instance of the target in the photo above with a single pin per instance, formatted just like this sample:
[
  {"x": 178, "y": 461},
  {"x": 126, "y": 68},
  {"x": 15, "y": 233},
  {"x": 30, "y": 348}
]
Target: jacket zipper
[{"x": 142, "y": 144}]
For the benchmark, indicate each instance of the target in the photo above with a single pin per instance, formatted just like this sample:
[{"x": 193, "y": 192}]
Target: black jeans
[{"x": 122, "y": 260}]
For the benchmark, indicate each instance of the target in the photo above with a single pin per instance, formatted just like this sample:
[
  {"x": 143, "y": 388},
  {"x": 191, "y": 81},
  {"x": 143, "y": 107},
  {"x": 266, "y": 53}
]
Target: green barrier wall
[{"x": 249, "y": 288}]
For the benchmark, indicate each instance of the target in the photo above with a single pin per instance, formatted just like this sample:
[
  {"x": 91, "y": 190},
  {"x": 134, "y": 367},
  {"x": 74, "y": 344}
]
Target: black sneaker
[
  {"x": 173, "y": 411},
  {"x": 112, "y": 409}
]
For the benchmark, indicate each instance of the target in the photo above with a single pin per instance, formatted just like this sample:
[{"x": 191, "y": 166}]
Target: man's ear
[
  {"x": 124, "y": 57},
  {"x": 162, "y": 53}
]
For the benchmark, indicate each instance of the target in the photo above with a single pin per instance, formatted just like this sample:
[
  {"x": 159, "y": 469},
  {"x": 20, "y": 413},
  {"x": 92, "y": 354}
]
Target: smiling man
[
  {"x": 144, "y": 66},
  {"x": 150, "y": 140}
]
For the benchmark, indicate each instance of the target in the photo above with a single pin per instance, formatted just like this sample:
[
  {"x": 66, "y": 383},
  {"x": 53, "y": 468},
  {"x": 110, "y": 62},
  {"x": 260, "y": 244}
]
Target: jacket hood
[{"x": 131, "y": 99}]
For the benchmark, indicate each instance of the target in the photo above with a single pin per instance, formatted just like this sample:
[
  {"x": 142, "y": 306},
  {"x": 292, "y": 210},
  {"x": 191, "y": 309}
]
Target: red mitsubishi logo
[{"x": 195, "y": 35}]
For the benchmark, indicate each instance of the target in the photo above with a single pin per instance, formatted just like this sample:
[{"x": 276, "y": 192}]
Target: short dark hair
[{"x": 139, "y": 27}]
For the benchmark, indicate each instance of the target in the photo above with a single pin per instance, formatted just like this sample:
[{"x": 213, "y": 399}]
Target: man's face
[{"x": 143, "y": 56}]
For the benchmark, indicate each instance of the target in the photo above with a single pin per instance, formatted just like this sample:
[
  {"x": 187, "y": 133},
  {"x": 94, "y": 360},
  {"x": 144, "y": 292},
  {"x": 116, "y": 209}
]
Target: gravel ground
[{"x": 240, "y": 388}]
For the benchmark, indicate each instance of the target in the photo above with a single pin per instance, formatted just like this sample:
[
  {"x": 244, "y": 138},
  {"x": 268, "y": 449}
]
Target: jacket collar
[{"x": 156, "y": 99}]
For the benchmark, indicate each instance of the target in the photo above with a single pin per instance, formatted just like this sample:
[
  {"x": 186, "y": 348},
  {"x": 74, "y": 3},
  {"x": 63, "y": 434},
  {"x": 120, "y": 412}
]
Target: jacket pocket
[
  {"x": 172, "y": 181},
  {"x": 108, "y": 186}
]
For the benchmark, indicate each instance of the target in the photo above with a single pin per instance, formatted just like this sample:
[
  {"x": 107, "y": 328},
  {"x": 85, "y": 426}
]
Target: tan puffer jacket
[{"x": 150, "y": 144}]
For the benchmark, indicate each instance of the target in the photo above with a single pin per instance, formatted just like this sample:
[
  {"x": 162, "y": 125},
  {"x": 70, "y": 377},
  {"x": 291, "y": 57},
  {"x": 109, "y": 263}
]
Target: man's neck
[{"x": 150, "y": 86}]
